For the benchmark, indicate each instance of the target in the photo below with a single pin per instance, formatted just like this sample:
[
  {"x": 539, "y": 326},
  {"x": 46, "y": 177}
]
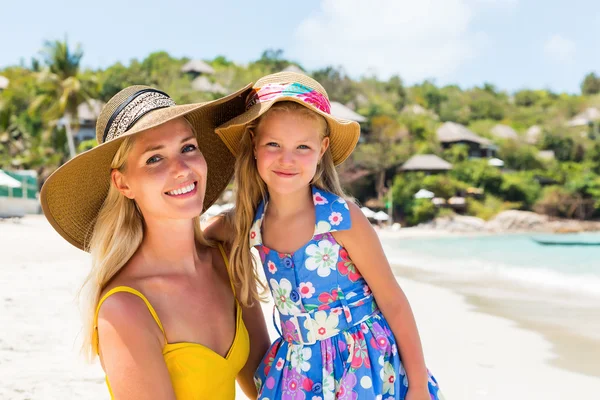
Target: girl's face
[
  {"x": 165, "y": 172},
  {"x": 288, "y": 147}
]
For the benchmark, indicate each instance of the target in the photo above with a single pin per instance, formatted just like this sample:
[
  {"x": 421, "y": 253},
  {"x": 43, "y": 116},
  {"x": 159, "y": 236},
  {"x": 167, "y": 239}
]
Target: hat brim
[
  {"x": 73, "y": 195},
  {"x": 343, "y": 134}
]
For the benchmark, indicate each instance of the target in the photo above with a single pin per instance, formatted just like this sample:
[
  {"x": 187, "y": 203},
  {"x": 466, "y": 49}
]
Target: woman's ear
[{"x": 120, "y": 182}]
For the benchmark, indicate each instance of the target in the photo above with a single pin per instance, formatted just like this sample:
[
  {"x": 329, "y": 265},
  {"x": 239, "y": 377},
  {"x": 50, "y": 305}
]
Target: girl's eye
[
  {"x": 272, "y": 144},
  {"x": 303, "y": 147},
  {"x": 189, "y": 147},
  {"x": 152, "y": 160}
]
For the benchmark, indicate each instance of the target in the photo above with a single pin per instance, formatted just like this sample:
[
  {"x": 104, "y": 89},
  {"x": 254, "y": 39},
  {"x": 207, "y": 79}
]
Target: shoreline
[
  {"x": 568, "y": 327},
  {"x": 473, "y": 352}
]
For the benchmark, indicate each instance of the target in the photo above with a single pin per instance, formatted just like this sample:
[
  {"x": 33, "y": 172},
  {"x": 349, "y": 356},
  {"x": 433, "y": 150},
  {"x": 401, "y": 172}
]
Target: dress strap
[
  {"x": 226, "y": 260},
  {"x": 126, "y": 289}
]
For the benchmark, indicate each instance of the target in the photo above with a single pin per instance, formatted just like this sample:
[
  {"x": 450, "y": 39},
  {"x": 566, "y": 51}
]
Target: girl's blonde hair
[
  {"x": 251, "y": 189},
  {"x": 117, "y": 235}
]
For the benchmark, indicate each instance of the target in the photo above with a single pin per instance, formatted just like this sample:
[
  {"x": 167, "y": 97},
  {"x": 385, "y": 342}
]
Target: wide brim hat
[
  {"x": 299, "y": 88},
  {"x": 73, "y": 195}
]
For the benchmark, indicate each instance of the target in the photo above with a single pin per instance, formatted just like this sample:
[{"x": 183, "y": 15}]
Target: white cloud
[
  {"x": 559, "y": 49},
  {"x": 416, "y": 39}
]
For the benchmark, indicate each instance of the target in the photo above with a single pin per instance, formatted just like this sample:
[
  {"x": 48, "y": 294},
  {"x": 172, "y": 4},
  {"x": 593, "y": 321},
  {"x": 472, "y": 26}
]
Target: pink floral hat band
[{"x": 274, "y": 91}]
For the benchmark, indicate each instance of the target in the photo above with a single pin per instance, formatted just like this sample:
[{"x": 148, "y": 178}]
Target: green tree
[
  {"x": 273, "y": 60},
  {"x": 526, "y": 98},
  {"x": 62, "y": 87},
  {"x": 383, "y": 150},
  {"x": 590, "y": 84},
  {"x": 338, "y": 85},
  {"x": 395, "y": 87}
]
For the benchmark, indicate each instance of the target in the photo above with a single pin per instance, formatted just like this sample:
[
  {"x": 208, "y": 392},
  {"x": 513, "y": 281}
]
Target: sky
[{"x": 513, "y": 44}]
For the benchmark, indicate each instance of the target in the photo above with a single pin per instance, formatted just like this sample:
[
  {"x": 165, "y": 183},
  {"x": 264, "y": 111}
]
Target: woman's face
[{"x": 165, "y": 172}]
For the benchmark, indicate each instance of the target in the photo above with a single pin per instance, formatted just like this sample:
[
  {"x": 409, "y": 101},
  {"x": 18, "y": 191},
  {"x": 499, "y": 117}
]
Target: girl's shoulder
[{"x": 333, "y": 212}]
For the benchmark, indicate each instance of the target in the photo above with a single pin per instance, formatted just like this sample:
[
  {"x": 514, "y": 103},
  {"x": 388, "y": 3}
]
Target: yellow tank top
[{"x": 196, "y": 371}]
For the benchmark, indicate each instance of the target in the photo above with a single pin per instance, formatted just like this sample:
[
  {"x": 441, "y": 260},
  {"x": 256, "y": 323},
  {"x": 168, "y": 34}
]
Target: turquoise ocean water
[{"x": 516, "y": 258}]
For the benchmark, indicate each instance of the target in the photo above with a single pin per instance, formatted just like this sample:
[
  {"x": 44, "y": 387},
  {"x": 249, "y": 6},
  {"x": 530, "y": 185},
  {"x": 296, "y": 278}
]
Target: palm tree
[{"x": 62, "y": 87}]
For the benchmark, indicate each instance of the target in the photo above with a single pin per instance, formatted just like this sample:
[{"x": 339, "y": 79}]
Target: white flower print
[
  {"x": 255, "y": 237},
  {"x": 323, "y": 325},
  {"x": 335, "y": 218},
  {"x": 271, "y": 267},
  {"x": 306, "y": 289},
  {"x": 350, "y": 295},
  {"x": 388, "y": 376},
  {"x": 344, "y": 202},
  {"x": 280, "y": 363},
  {"x": 328, "y": 386},
  {"x": 322, "y": 257},
  {"x": 322, "y": 227},
  {"x": 319, "y": 199},
  {"x": 281, "y": 295},
  {"x": 300, "y": 356},
  {"x": 337, "y": 311}
]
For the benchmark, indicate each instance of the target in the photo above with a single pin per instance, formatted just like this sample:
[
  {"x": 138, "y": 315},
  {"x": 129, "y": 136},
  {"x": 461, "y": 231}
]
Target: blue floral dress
[{"x": 335, "y": 343}]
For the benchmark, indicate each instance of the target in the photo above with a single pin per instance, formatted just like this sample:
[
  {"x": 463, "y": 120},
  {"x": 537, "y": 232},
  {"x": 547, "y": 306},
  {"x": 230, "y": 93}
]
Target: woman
[{"x": 163, "y": 316}]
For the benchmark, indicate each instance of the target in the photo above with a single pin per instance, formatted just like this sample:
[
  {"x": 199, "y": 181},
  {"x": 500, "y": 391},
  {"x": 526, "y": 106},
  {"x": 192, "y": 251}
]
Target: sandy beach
[{"x": 477, "y": 345}]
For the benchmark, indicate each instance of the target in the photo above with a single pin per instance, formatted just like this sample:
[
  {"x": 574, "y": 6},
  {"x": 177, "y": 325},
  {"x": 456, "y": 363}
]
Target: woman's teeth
[{"x": 183, "y": 190}]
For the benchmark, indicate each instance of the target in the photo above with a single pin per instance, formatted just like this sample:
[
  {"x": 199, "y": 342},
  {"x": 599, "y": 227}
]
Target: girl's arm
[
  {"x": 131, "y": 350},
  {"x": 365, "y": 250},
  {"x": 259, "y": 345}
]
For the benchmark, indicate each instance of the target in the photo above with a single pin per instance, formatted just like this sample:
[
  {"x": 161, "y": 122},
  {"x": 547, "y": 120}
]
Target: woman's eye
[
  {"x": 189, "y": 147},
  {"x": 152, "y": 160}
]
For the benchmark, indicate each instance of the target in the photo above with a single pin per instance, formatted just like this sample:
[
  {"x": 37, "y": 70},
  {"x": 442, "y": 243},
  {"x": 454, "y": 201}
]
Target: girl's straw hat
[
  {"x": 299, "y": 88},
  {"x": 73, "y": 195}
]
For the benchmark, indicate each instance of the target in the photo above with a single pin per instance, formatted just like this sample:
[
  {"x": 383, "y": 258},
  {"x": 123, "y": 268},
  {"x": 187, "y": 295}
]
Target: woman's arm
[
  {"x": 131, "y": 350},
  {"x": 365, "y": 250}
]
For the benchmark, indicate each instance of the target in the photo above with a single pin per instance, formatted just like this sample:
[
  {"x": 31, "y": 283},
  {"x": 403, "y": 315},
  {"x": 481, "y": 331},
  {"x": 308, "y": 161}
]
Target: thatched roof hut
[
  {"x": 341, "y": 111},
  {"x": 90, "y": 110},
  {"x": 586, "y": 117},
  {"x": 426, "y": 163},
  {"x": 203, "y": 84},
  {"x": 197, "y": 67},
  {"x": 451, "y": 132},
  {"x": 533, "y": 134},
  {"x": 504, "y": 132}
]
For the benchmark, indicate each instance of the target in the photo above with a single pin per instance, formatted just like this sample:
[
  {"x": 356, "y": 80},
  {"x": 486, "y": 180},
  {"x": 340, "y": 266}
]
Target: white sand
[{"x": 473, "y": 355}]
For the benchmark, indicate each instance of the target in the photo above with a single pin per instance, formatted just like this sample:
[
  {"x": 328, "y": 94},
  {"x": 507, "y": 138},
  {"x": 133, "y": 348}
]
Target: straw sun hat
[
  {"x": 299, "y": 88},
  {"x": 73, "y": 195}
]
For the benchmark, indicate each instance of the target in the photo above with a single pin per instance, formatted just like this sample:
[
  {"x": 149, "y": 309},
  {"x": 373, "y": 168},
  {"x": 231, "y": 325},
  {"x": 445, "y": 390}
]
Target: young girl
[
  {"x": 162, "y": 312},
  {"x": 348, "y": 331}
]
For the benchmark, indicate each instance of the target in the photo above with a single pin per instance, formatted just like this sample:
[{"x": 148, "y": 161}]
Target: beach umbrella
[
  {"x": 424, "y": 194},
  {"x": 381, "y": 216},
  {"x": 7, "y": 180},
  {"x": 367, "y": 212}
]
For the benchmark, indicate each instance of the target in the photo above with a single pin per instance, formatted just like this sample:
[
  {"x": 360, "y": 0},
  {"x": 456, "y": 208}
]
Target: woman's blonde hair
[
  {"x": 117, "y": 235},
  {"x": 251, "y": 189}
]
